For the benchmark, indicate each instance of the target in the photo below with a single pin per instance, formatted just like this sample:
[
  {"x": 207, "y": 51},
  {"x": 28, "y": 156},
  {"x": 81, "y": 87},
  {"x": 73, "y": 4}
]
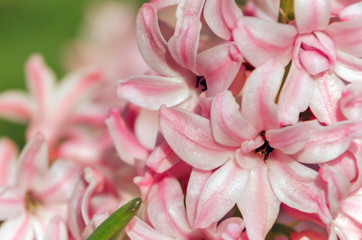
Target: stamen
[{"x": 265, "y": 149}]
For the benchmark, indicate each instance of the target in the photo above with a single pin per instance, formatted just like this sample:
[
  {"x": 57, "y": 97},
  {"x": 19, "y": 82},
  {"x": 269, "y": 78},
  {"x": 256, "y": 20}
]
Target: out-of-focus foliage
[{"x": 40, "y": 26}]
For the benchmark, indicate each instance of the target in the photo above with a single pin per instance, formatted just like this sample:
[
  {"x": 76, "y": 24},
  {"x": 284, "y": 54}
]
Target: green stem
[{"x": 286, "y": 11}]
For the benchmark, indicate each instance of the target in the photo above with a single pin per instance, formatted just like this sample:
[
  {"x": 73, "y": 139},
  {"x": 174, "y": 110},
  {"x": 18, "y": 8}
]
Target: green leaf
[
  {"x": 113, "y": 226},
  {"x": 286, "y": 11}
]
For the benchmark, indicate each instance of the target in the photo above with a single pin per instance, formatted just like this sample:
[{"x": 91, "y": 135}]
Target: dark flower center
[
  {"x": 200, "y": 81},
  {"x": 265, "y": 149}
]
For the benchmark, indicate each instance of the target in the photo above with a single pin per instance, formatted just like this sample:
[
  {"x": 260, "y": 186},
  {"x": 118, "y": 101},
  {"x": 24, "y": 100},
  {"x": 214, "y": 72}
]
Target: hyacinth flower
[
  {"x": 34, "y": 203},
  {"x": 253, "y": 157},
  {"x": 324, "y": 49}
]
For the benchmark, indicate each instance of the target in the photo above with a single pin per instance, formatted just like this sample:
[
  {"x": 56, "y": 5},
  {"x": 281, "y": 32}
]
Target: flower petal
[
  {"x": 17, "y": 229},
  {"x": 8, "y": 155},
  {"x": 220, "y": 193},
  {"x": 295, "y": 95},
  {"x": 139, "y": 230},
  {"x": 152, "y": 91},
  {"x": 258, "y": 204},
  {"x": 350, "y": 102},
  {"x": 326, "y": 93},
  {"x": 219, "y": 65},
  {"x": 56, "y": 230},
  {"x": 12, "y": 202},
  {"x": 162, "y": 158},
  {"x": 127, "y": 146},
  {"x": 166, "y": 209},
  {"x": 189, "y": 135},
  {"x": 260, "y": 91},
  {"x": 15, "y": 106},
  {"x": 348, "y": 67},
  {"x": 221, "y": 16},
  {"x": 152, "y": 45},
  {"x": 311, "y": 15},
  {"x": 260, "y": 40},
  {"x": 227, "y": 124}
]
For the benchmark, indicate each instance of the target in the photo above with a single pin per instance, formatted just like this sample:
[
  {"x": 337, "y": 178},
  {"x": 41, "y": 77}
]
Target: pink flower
[{"x": 39, "y": 196}]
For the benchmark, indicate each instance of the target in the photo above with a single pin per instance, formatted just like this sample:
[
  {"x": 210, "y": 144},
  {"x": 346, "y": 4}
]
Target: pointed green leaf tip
[{"x": 113, "y": 226}]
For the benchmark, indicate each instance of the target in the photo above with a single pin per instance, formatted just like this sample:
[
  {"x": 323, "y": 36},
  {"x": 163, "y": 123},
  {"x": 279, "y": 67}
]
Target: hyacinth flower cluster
[{"x": 231, "y": 120}]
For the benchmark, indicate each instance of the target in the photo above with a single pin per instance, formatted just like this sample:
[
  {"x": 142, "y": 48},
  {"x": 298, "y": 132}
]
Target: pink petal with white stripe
[
  {"x": 290, "y": 139},
  {"x": 221, "y": 16},
  {"x": 17, "y": 229},
  {"x": 352, "y": 205},
  {"x": 8, "y": 156},
  {"x": 260, "y": 91},
  {"x": 296, "y": 185},
  {"x": 189, "y": 135},
  {"x": 347, "y": 36},
  {"x": 347, "y": 228},
  {"x": 231, "y": 229},
  {"x": 162, "y": 158},
  {"x": 127, "y": 146},
  {"x": 260, "y": 40},
  {"x": 219, "y": 65},
  {"x": 351, "y": 12},
  {"x": 151, "y": 92},
  {"x": 350, "y": 102},
  {"x": 295, "y": 95},
  {"x": 198, "y": 179},
  {"x": 152, "y": 45},
  {"x": 139, "y": 230},
  {"x": 326, "y": 93},
  {"x": 15, "y": 106},
  {"x": 327, "y": 143},
  {"x": 348, "y": 67},
  {"x": 60, "y": 181},
  {"x": 220, "y": 193},
  {"x": 258, "y": 204},
  {"x": 166, "y": 209},
  {"x": 338, "y": 187},
  {"x": 32, "y": 163},
  {"x": 227, "y": 124},
  {"x": 57, "y": 230},
  {"x": 40, "y": 81},
  {"x": 311, "y": 15},
  {"x": 184, "y": 44},
  {"x": 270, "y": 8},
  {"x": 12, "y": 202}
]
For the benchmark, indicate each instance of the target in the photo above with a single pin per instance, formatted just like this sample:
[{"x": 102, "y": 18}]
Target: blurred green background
[{"x": 37, "y": 26}]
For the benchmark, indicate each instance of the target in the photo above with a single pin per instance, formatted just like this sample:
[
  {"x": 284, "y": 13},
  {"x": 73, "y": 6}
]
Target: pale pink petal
[
  {"x": 352, "y": 206},
  {"x": 297, "y": 185},
  {"x": 219, "y": 65},
  {"x": 347, "y": 36},
  {"x": 17, "y": 229},
  {"x": 220, "y": 193},
  {"x": 295, "y": 95},
  {"x": 260, "y": 40},
  {"x": 270, "y": 8},
  {"x": 57, "y": 186},
  {"x": 326, "y": 93},
  {"x": 347, "y": 228},
  {"x": 231, "y": 228},
  {"x": 15, "y": 106},
  {"x": 152, "y": 91},
  {"x": 259, "y": 94},
  {"x": 327, "y": 143},
  {"x": 8, "y": 156},
  {"x": 227, "y": 124},
  {"x": 162, "y": 158},
  {"x": 189, "y": 135},
  {"x": 33, "y": 162},
  {"x": 40, "y": 81},
  {"x": 311, "y": 15},
  {"x": 348, "y": 67},
  {"x": 351, "y": 12},
  {"x": 184, "y": 44},
  {"x": 338, "y": 187},
  {"x": 258, "y": 204},
  {"x": 350, "y": 102},
  {"x": 146, "y": 127},
  {"x": 166, "y": 209},
  {"x": 310, "y": 235},
  {"x": 221, "y": 16},
  {"x": 56, "y": 230},
  {"x": 139, "y": 230},
  {"x": 198, "y": 179},
  {"x": 127, "y": 146},
  {"x": 12, "y": 202},
  {"x": 152, "y": 45}
]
